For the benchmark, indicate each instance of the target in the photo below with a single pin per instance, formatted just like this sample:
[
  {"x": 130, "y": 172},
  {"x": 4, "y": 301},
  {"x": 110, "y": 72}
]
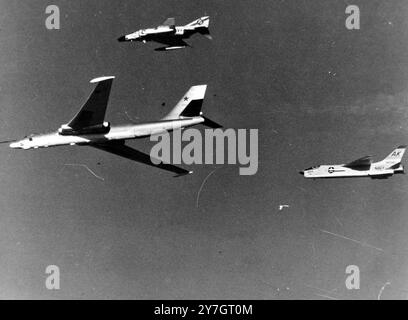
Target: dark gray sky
[{"x": 317, "y": 92}]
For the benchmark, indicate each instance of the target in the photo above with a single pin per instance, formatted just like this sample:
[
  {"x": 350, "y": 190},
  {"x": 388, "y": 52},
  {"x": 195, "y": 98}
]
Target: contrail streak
[
  {"x": 350, "y": 239},
  {"x": 320, "y": 289},
  {"x": 324, "y": 296},
  {"x": 338, "y": 220},
  {"x": 382, "y": 289},
  {"x": 131, "y": 118},
  {"x": 86, "y": 167},
  {"x": 202, "y": 185}
]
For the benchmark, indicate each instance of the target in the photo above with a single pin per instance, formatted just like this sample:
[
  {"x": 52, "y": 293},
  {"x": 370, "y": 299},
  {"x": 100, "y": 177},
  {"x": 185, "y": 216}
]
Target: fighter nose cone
[
  {"x": 122, "y": 39},
  {"x": 14, "y": 145},
  {"x": 301, "y": 172}
]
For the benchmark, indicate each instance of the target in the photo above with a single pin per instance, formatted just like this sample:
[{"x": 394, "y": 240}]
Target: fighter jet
[
  {"x": 169, "y": 34},
  {"x": 88, "y": 127},
  {"x": 362, "y": 167}
]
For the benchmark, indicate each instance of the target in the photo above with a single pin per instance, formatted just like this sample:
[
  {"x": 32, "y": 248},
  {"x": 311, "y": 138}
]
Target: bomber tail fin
[{"x": 190, "y": 105}]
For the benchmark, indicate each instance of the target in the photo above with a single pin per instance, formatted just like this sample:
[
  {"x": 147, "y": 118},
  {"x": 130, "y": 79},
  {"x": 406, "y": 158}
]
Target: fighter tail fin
[
  {"x": 395, "y": 156},
  {"x": 203, "y": 22}
]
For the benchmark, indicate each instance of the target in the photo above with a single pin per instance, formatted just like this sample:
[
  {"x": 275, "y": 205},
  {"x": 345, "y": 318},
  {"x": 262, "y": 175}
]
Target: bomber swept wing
[
  {"x": 93, "y": 111},
  {"x": 90, "y": 117}
]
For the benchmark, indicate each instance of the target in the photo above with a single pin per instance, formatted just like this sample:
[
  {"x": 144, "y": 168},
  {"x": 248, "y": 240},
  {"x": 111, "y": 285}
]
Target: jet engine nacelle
[{"x": 66, "y": 130}]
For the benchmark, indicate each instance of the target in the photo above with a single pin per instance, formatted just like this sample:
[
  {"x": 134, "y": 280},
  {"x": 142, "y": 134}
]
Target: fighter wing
[
  {"x": 169, "y": 22},
  {"x": 362, "y": 162},
  {"x": 120, "y": 149},
  {"x": 93, "y": 111}
]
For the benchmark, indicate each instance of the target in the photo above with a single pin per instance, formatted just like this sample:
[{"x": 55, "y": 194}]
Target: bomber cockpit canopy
[{"x": 29, "y": 137}]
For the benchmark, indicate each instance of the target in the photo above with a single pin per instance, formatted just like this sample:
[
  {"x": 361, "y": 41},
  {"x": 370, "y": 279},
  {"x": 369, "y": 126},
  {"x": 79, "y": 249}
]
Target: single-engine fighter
[
  {"x": 169, "y": 34},
  {"x": 362, "y": 167},
  {"x": 88, "y": 127}
]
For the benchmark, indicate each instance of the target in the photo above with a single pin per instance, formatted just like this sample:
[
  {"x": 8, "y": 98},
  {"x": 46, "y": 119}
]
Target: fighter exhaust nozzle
[{"x": 400, "y": 170}]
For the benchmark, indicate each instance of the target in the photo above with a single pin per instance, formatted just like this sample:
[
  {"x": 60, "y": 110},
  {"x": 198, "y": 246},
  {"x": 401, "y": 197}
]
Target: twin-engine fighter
[
  {"x": 169, "y": 34},
  {"x": 362, "y": 167}
]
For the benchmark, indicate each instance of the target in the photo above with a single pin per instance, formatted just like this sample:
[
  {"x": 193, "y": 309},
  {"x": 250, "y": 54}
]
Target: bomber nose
[
  {"x": 14, "y": 145},
  {"x": 122, "y": 39}
]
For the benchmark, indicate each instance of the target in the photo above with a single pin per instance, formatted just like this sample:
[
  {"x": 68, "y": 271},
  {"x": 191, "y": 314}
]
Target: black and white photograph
[{"x": 203, "y": 150}]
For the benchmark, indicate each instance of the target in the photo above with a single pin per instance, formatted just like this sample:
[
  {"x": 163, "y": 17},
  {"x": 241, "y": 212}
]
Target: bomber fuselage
[{"x": 123, "y": 132}]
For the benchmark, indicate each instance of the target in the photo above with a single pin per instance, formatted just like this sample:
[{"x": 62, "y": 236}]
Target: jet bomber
[{"x": 89, "y": 128}]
